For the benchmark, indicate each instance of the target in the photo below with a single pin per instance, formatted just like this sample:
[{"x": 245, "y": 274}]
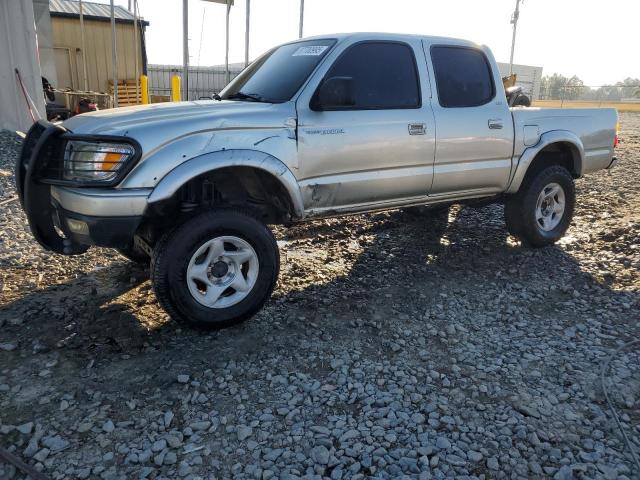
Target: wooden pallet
[
  {"x": 127, "y": 93},
  {"x": 159, "y": 98}
]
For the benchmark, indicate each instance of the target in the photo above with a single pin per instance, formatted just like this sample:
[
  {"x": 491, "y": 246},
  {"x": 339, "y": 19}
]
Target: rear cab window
[{"x": 463, "y": 76}]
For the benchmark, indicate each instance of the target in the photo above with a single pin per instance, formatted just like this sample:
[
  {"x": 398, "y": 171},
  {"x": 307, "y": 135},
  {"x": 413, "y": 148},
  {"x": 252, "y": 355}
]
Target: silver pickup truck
[{"x": 319, "y": 127}]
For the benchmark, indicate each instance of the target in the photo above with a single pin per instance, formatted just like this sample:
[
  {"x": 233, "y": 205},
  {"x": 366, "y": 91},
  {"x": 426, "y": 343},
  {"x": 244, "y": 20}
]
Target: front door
[
  {"x": 380, "y": 149},
  {"x": 473, "y": 122}
]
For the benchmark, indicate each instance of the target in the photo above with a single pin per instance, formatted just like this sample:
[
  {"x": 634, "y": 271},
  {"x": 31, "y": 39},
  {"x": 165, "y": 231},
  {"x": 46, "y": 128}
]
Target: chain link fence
[{"x": 601, "y": 94}]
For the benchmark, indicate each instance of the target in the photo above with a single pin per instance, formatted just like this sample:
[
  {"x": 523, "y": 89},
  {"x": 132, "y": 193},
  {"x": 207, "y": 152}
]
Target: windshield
[{"x": 278, "y": 74}]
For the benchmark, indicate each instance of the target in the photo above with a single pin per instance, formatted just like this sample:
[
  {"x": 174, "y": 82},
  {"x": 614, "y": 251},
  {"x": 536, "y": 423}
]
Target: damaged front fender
[{"x": 210, "y": 162}]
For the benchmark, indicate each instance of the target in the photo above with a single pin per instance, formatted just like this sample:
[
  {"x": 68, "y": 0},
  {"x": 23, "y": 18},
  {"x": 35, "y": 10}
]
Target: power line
[{"x": 204, "y": 10}]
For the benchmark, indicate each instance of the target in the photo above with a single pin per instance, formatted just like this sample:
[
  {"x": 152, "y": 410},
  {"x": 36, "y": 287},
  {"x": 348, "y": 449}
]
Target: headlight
[{"x": 95, "y": 161}]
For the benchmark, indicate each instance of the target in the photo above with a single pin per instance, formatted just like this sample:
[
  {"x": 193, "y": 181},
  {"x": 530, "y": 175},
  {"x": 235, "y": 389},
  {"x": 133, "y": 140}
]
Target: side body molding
[
  {"x": 208, "y": 162},
  {"x": 546, "y": 139}
]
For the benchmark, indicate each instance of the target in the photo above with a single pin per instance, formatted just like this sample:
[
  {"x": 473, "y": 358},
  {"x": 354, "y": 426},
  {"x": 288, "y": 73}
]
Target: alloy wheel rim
[
  {"x": 550, "y": 207},
  {"x": 222, "y": 272}
]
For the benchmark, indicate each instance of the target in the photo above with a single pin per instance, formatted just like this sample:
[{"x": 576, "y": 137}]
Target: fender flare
[
  {"x": 210, "y": 162},
  {"x": 546, "y": 139}
]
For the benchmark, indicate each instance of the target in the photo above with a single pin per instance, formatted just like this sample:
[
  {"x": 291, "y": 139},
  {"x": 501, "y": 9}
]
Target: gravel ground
[{"x": 387, "y": 350}]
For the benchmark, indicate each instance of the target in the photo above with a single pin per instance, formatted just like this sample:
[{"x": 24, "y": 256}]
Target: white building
[{"x": 528, "y": 77}]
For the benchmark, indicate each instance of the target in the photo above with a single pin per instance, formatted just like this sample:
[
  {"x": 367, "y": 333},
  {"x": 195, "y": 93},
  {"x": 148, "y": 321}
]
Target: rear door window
[{"x": 463, "y": 76}]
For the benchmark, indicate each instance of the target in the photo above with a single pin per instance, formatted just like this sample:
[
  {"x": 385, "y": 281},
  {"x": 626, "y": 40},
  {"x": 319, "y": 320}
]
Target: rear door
[
  {"x": 474, "y": 127},
  {"x": 379, "y": 150}
]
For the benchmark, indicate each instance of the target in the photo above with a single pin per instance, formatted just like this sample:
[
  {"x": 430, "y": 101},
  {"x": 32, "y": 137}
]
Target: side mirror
[{"x": 334, "y": 92}]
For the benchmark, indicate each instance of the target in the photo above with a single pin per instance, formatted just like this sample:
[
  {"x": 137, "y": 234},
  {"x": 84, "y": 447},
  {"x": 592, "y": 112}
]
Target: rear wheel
[
  {"x": 540, "y": 213},
  {"x": 216, "y": 269}
]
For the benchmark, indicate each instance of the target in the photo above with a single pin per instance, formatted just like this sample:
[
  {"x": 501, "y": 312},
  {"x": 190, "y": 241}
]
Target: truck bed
[{"x": 595, "y": 127}]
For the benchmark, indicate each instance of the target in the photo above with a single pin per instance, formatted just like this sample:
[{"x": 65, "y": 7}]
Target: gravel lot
[{"x": 387, "y": 350}]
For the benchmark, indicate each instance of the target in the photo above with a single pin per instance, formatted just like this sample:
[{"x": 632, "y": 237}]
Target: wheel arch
[
  {"x": 558, "y": 147},
  {"x": 230, "y": 160}
]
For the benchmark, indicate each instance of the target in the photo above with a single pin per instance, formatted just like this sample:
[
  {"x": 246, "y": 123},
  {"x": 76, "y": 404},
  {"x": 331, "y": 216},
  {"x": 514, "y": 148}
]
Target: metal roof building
[
  {"x": 67, "y": 45},
  {"x": 90, "y": 11}
]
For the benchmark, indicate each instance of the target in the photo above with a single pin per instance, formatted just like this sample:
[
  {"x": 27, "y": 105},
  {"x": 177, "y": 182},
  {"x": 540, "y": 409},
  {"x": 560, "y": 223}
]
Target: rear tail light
[{"x": 616, "y": 138}]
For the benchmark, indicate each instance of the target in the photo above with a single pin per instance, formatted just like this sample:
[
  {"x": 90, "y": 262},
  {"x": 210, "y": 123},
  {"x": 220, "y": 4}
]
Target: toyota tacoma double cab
[{"x": 319, "y": 127}]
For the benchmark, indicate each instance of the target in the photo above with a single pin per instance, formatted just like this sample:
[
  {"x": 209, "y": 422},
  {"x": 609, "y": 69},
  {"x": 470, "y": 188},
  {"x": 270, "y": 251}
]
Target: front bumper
[
  {"x": 98, "y": 216},
  {"x": 101, "y": 231},
  {"x": 101, "y": 202},
  {"x": 67, "y": 219}
]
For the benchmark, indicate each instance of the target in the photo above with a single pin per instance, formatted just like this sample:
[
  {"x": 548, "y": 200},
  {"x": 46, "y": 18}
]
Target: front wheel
[
  {"x": 134, "y": 253},
  {"x": 216, "y": 269},
  {"x": 540, "y": 213}
]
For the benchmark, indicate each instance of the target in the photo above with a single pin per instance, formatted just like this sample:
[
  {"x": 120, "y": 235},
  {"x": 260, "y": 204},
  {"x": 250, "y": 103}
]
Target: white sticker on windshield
[{"x": 311, "y": 50}]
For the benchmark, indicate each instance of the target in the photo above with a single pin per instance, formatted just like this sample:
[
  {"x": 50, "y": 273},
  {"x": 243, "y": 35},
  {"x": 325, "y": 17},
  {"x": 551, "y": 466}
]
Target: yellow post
[
  {"x": 144, "y": 89},
  {"x": 175, "y": 88}
]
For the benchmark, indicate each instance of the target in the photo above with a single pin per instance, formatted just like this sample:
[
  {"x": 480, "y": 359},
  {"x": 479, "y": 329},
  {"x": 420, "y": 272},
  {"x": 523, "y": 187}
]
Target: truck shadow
[
  {"x": 411, "y": 261},
  {"x": 408, "y": 263}
]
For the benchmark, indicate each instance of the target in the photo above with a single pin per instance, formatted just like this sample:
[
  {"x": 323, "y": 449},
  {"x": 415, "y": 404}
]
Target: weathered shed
[{"x": 67, "y": 44}]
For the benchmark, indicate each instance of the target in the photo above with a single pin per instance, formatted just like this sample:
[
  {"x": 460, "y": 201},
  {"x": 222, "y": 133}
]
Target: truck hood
[{"x": 180, "y": 118}]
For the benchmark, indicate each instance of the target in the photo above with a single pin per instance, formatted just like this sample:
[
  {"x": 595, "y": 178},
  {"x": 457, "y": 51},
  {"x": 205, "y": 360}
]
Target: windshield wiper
[{"x": 247, "y": 96}]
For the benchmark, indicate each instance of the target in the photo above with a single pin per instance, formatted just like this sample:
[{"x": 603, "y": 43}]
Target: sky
[{"x": 595, "y": 40}]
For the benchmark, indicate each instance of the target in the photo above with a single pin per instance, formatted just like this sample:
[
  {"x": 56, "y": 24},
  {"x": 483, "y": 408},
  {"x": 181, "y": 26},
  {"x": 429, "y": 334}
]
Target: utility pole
[
  {"x": 226, "y": 54},
  {"x": 301, "y": 18},
  {"x": 185, "y": 50},
  {"x": 114, "y": 56},
  {"x": 84, "y": 51},
  {"x": 246, "y": 36},
  {"x": 229, "y": 4},
  {"x": 514, "y": 22},
  {"x": 135, "y": 45}
]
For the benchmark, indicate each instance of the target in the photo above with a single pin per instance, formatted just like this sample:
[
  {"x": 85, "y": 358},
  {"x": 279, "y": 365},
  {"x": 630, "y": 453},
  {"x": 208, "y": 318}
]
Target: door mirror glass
[{"x": 334, "y": 93}]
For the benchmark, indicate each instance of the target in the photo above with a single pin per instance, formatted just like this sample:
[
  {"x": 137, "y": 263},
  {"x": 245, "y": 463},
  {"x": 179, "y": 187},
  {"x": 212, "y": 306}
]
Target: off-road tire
[
  {"x": 134, "y": 254},
  {"x": 520, "y": 209},
  {"x": 174, "y": 250}
]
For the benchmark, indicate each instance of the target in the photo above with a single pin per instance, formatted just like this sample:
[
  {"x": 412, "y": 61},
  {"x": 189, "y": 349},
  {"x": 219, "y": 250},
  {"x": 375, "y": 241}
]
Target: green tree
[
  {"x": 557, "y": 86},
  {"x": 630, "y": 87}
]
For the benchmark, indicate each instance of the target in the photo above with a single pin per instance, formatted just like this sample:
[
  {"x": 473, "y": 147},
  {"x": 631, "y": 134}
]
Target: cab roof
[{"x": 394, "y": 36}]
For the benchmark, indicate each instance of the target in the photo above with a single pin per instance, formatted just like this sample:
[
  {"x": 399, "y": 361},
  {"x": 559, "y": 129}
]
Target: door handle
[
  {"x": 495, "y": 124},
  {"x": 417, "y": 129}
]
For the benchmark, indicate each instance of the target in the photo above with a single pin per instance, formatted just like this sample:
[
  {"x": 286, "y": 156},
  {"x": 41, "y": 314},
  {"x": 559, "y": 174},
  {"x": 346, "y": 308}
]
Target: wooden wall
[{"x": 67, "y": 44}]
